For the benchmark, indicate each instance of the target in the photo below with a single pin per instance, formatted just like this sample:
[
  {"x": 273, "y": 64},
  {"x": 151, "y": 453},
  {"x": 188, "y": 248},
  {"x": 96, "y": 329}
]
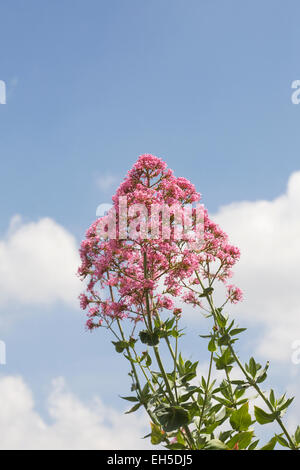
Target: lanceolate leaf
[
  {"x": 271, "y": 444},
  {"x": 262, "y": 416},
  {"x": 130, "y": 398},
  {"x": 134, "y": 408},
  {"x": 297, "y": 435}
]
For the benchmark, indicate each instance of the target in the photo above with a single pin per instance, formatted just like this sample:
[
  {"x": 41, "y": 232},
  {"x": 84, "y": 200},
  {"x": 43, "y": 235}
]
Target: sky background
[{"x": 91, "y": 85}]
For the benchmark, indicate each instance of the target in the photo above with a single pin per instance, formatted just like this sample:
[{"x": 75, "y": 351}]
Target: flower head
[{"x": 149, "y": 250}]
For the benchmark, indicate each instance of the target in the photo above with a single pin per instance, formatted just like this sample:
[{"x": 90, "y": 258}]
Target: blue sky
[{"x": 91, "y": 86}]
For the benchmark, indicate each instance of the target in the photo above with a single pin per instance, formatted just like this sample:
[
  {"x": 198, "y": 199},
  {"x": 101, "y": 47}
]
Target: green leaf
[
  {"x": 240, "y": 419},
  {"x": 239, "y": 382},
  {"x": 297, "y": 435},
  {"x": 225, "y": 360},
  {"x": 181, "y": 368},
  {"x": 210, "y": 428},
  {"x": 176, "y": 446},
  {"x": 191, "y": 390},
  {"x": 206, "y": 292},
  {"x": 271, "y": 444},
  {"x": 215, "y": 444},
  {"x": 169, "y": 323},
  {"x": 272, "y": 398},
  {"x": 225, "y": 390},
  {"x": 243, "y": 439},
  {"x": 132, "y": 342},
  {"x": 180, "y": 438},
  {"x": 134, "y": 408},
  {"x": 286, "y": 404},
  {"x": 145, "y": 390},
  {"x": 212, "y": 345},
  {"x": 282, "y": 441},
  {"x": 252, "y": 367},
  {"x": 223, "y": 414},
  {"x": 224, "y": 339},
  {"x": 236, "y": 331},
  {"x": 281, "y": 400},
  {"x": 157, "y": 435},
  {"x": 225, "y": 435},
  {"x": 130, "y": 398},
  {"x": 148, "y": 360},
  {"x": 120, "y": 345},
  {"x": 253, "y": 445},
  {"x": 239, "y": 392},
  {"x": 226, "y": 403},
  {"x": 221, "y": 320},
  {"x": 262, "y": 417},
  {"x": 172, "y": 417},
  {"x": 263, "y": 374},
  {"x": 151, "y": 339}
]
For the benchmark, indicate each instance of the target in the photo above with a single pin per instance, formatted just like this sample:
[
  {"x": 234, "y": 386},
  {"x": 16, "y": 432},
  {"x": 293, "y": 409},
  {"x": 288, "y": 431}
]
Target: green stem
[
  {"x": 163, "y": 373},
  {"x": 251, "y": 381},
  {"x": 261, "y": 394},
  {"x": 132, "y": 363},
  {"x": 174, "y": 355},
  {"x": 143, "y": 371},
  {"x": 230, "y": 387},
  {"x": 148, "y": 310},
  {"x": 206, "y": 390},
  {"x": 189, "y": 436},
  {"x": 175, "y": 359}
]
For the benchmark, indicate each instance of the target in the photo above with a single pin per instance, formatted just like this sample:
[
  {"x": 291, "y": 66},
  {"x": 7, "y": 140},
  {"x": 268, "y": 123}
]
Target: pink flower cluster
[
  {"x": 234, "y": 294},
  {"x": 121, "y": 271}
]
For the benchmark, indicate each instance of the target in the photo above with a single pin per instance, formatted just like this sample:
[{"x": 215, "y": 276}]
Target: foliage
[{"x": 137, "y": 277}]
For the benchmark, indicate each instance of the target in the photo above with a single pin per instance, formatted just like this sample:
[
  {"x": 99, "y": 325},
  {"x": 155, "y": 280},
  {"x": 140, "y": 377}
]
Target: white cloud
[
  {"x": 38, "y": 264},
  {"x": 268, "y": 235},
  {"x": 74, "y": 425}
]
